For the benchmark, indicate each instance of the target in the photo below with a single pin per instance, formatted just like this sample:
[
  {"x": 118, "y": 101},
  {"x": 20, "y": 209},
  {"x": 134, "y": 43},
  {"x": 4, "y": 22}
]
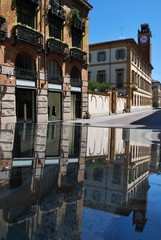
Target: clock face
[{"x": 143, "y": 39}]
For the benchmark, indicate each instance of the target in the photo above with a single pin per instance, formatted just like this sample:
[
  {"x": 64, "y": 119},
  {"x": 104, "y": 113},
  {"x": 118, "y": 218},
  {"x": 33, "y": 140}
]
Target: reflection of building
[
  {"x": 126, "y": 65},
  {"x": 117, "y": 171},
  {"x": 42, "y": 173},
  {"x": 45, "y": 77}
]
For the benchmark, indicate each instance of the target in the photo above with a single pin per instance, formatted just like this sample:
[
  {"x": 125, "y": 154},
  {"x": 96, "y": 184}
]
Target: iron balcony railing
[
  {"x": 75, "y": 82},
  {"x": 27, "y": 34},
  {"x": 55, "y": 79},
  {"x": 2, "y": 28},
  {"x": 26, "y": 74},
  {"x": 57, "y": 10},
  {"x": 79, "y": 55},
  {"x": 78, "y": 24},
  {"x": 56, "y": 46}
]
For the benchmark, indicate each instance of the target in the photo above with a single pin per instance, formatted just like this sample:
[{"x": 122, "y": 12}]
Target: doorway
[
  {"x": 75, "y": 105},
  {"x": 25, "y": 105}
]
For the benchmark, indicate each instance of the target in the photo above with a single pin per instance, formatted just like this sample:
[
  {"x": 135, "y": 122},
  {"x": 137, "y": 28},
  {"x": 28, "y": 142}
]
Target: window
[
  {"x": 90, "y": 57},
  {"x": 25, "y": 14},
  {"x": 101, "y": 56},
  {"x": 54, "y": 72},
  {"x": 76, "y": 40},
  {"x": 120, "y": 53},
  {"x": 101, "y": 76},
  {"x": 54, "y": 31},
  {"x": 75, "y": 73},
  {"x": 119, "y": 78},
  {"x": 54, "y": 27}
]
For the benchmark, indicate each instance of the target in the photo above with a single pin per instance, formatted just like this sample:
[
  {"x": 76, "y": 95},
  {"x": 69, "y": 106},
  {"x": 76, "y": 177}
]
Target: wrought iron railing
[
  {"x": 26, "y": 74},
  {"x": 57, "y": 10},
  {"x": 79, "y": 55},
  {"x": 76, "y": 82},
  {"x": 55, "y": 79},
  {"x": 27, "y": 34},
  {"x": 56, "y": 46},
  {"x": 78, "y": 24}
]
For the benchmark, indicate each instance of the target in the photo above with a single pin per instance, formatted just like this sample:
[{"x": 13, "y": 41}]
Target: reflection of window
[
  {"x": 98, "y": 174},
  {"x": 101, "y": 56},
  {"x": 116, "y": 198},
  {"x": 101, "y": 76},
  {"x": 120, "y": 53},
  {"x": 116, "y": 174},
  {"x": 119, "y": 78},
  {"x": 96, "y": 195}
]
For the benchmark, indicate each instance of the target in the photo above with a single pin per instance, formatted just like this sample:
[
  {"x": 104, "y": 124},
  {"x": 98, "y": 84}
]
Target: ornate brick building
[{"x": 43, "y": 59}]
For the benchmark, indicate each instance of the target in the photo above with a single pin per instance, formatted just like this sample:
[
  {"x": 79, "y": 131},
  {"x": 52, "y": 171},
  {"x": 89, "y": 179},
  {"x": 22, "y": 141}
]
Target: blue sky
[{"x": 112, "y": 20}]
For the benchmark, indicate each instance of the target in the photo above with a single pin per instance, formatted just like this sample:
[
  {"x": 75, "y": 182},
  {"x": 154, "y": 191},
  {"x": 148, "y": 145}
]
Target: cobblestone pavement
[{"x": 118, "y": 120}]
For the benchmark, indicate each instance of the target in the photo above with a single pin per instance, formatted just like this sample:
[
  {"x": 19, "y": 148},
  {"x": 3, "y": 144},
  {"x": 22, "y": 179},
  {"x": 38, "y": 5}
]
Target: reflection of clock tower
[{"x": 144, "y": 41}]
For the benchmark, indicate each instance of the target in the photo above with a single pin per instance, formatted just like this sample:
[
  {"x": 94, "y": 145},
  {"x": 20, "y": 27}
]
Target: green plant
[
  {"x": 87, "y": 115},
  {"x": 75, "y": 14},
  {"x": 101, "y": 87}
]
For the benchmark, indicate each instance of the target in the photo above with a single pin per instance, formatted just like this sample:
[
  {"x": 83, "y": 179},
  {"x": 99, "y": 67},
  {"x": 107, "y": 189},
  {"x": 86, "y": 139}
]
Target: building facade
[
  {"x": 156, "y": 90},
  {"x": 126, "y": 65},
  {"x": 43, "y": 59}
]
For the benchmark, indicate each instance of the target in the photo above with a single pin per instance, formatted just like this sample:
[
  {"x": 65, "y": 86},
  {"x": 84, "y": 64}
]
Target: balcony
[
  {"x": 78, "y": 55},
  {"x": 57, "y": 10},
  {"x": 76, "y": 82},
  {"x": 28, "y": 35},
  {"x": 25, "y": 74},
  {"x": 2, "y": 28},
  {"x": 77, "y": 22},
  {"x": 56, "y": 46},
  {"x": 55, "y": 79}
]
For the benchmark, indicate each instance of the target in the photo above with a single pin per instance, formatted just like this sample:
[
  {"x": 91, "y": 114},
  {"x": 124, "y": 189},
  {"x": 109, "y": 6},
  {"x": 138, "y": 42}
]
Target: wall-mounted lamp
[{"x": 9, "y": 76}]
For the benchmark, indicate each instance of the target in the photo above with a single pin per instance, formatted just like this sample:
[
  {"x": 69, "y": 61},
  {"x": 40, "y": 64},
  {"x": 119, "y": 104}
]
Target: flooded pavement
[{"x": 77, "y": 182}]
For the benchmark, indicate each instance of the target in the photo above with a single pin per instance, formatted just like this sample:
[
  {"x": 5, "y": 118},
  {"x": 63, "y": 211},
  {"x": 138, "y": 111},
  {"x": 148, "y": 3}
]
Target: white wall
[{"x": 98, "y": 105}]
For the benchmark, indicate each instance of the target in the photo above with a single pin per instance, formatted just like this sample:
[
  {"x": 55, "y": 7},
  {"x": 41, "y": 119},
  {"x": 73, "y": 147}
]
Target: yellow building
[
  {"x": 43, "y": 59},
  {"x": 126, "y": 65}
]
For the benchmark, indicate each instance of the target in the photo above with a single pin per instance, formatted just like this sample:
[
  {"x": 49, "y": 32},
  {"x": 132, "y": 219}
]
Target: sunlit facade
[{"x": 43, "y": 59}]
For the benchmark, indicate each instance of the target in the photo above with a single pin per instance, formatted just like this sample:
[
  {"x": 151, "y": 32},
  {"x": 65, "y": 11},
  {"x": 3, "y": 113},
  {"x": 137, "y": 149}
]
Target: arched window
[
  {"x": 25, "y": 67},
  {"x": 54, "y": 72},
  {"x": 76, "y": 77}
]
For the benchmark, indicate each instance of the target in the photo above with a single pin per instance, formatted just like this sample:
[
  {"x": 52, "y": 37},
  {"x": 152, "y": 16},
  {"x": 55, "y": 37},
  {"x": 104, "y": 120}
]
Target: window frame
[{"x": 101, "y": 56}]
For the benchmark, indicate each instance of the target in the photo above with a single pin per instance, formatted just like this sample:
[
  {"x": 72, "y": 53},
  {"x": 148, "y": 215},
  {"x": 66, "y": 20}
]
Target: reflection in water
[{"x": 50, "y": 173}]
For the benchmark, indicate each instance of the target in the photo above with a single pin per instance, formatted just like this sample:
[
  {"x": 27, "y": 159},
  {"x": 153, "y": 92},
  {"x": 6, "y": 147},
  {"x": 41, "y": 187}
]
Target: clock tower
[{"x": 144, "y": 41}]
